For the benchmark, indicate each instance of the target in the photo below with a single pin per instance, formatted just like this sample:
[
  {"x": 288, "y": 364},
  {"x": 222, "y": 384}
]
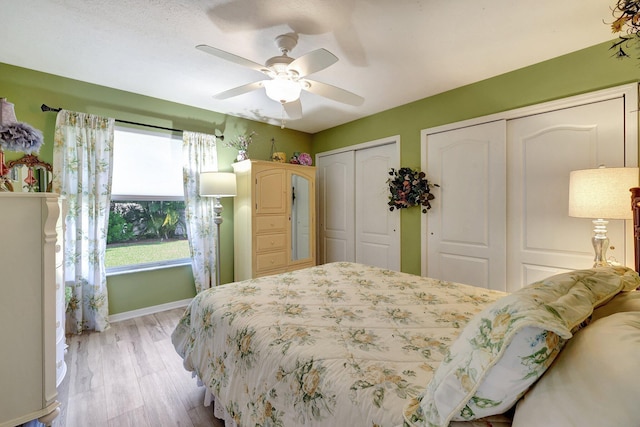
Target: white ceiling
[{"x": 390, "y": 52}]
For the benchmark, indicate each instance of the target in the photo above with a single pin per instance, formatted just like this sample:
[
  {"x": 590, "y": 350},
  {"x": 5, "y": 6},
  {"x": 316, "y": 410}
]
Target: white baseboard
[{"x": 118, "y": 317}]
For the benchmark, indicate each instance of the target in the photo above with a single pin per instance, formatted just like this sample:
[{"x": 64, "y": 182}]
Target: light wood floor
[{"x": 130, "y": 375}]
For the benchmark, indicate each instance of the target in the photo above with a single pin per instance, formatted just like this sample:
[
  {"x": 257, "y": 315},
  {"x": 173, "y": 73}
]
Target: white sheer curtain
[
  {"x": 82, "y": 157},
  {"x": 199, "y": 154}
]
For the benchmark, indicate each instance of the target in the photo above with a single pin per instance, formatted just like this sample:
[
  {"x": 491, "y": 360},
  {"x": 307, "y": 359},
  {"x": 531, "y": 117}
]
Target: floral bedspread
[{"x": 340, "y": 344}]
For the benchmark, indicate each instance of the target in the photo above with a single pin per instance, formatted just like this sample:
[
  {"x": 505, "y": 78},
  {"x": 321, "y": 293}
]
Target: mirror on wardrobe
[
  {"x": 300, "y": 218},
  {"x": 30, "y": 174}
]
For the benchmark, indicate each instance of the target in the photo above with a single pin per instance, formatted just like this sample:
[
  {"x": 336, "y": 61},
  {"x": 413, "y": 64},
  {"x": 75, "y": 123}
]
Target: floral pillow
[{"x": 504, "y": 349}]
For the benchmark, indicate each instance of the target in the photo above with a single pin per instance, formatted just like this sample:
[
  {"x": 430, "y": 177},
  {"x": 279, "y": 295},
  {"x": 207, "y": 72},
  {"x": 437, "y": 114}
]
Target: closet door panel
[
  {"x": 355, "y": 222},
  {"x": 336, "y": 184},
  {"x": 543, "y": 150},
  {"x": 377, "y": 229},
  {"x": 466, "y": 241}
]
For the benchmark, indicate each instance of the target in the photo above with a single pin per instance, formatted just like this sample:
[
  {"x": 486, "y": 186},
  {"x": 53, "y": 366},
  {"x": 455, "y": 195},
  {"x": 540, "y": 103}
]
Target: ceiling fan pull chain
[{"x": 282, "y": 118}]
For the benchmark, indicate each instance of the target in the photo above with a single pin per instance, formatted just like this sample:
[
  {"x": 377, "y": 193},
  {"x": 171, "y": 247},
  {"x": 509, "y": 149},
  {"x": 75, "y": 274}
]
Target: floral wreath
[{"x": 409, "y": 187}]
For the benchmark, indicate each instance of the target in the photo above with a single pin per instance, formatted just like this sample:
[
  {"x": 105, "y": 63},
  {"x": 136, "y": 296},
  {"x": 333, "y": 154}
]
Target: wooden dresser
[
  {"x": 31, "y": 318},
  {"x": 274, "y": 218}
]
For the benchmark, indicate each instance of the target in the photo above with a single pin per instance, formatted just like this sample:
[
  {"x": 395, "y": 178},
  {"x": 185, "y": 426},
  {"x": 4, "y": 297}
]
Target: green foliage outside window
[
  {"x": 143, "y": 220},
  {"x": 146, "y": 232}
]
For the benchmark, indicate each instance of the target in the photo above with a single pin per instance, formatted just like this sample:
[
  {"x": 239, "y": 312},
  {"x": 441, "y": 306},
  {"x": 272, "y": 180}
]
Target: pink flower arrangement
[
  {"x": 301, "y": 159},
  {"x": 305, "y": 159}
]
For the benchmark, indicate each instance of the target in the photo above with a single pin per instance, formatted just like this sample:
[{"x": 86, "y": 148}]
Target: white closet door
[
  {"x": 377, "y": 229},
  {"x": 467, "y": 223},
  {"x": 336, "y": 183},
  {"x": 543, "y": 150}
]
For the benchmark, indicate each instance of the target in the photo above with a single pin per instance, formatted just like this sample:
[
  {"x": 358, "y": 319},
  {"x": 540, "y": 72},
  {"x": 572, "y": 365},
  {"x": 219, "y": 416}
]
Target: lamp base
[
  {"x": 217, "y": 220},
  {"x": 600, "y": 242}
]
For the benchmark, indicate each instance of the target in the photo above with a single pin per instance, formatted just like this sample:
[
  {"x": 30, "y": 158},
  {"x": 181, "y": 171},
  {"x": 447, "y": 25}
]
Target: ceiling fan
[{"x": 287, "y": 76}]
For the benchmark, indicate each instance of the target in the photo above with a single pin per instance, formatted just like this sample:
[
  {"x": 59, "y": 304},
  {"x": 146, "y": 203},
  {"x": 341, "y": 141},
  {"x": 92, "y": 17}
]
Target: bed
[
  {"x": 345, "y": 344},
  {"x": 340, "y": 341}
]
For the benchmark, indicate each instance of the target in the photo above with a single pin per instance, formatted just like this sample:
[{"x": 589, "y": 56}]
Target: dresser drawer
[
  {"x": 270, "y": 242},
  {"x": 58, "y": 248},
  {"x": 271, "y": 260},
  {"x": 271, "y": 223},
  {"x": 60, "y": 307},
  {"x": 61, "y": 366}
]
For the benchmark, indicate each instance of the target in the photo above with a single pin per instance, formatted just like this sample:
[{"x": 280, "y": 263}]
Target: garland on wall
[
  {"x": 626, "y": 14},
  {"x": 409, "y": 187}
]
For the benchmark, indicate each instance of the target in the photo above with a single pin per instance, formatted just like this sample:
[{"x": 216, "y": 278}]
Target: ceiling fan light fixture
[
  {"x": 287, "y": 76},
  {"x": 282, "y": 90}
]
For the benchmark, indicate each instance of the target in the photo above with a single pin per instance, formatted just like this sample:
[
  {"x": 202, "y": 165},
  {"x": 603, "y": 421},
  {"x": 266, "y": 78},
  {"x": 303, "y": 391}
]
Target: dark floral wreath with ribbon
[{"x": 409, "y": 187}]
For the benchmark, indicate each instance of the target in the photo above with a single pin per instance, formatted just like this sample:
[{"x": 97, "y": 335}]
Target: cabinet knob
[
  {"x": 58, "y": 247},
  {"x": 57, "y": 324}
]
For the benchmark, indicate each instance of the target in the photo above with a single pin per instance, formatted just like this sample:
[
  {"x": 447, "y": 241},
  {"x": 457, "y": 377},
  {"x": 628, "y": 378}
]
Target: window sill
[{"x": 139, "y": 268}]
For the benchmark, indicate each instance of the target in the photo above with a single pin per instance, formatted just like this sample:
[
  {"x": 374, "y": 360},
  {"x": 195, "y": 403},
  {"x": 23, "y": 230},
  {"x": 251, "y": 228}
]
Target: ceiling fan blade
[
  {"x": 239, "y": 90},
  {"x": 333, "y": 92},
  {"x": 293, "y": 109},
  {"x": 313, "y": 62},
  {"x": 231, "y": 57}
]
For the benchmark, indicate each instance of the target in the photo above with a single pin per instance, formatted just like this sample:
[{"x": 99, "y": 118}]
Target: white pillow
[
  {"x": 624, "y": 301},
  {"x": 593, "y": 382}
]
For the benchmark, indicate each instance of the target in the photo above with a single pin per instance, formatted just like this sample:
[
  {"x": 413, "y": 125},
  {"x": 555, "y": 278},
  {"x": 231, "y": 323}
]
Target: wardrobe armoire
[{"x": 274, "y": 218}]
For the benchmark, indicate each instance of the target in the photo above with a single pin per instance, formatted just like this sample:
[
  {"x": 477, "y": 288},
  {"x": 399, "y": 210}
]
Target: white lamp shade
[
  {"x": 7, "y": 113},
  {"x": 282, "y": 90},
  {"x": 218, "y": 184},
  {"x": 602, "y": 193}
]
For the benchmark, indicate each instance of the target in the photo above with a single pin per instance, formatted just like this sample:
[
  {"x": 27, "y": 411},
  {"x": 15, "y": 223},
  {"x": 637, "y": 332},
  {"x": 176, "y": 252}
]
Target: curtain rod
[{"x": 46, "y": 108}]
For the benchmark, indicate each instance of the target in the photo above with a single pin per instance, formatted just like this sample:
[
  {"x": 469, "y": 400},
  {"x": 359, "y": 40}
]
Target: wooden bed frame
[{"x": 635, "y": 207}]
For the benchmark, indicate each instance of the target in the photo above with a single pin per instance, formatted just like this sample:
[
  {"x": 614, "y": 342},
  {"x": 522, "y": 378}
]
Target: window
[{"x": 146, "y": 216}]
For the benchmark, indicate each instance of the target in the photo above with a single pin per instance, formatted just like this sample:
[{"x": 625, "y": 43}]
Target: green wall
[
  {"x": 28, "y": 89},
  {"x": 579, "y": 72},
  {"x": 133, "y": 291}
]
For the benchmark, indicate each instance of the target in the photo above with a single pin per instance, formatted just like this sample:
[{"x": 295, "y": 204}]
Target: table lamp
[{"x": 601, "y": 194}]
